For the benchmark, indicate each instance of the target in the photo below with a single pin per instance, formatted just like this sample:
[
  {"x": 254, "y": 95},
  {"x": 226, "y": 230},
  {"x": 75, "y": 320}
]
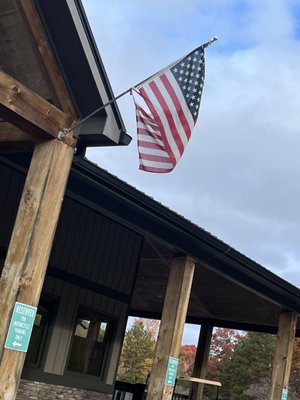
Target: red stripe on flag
[
  {"x": 154, "y": 169},
  {"x": 177, "y": 104},
  {"x": 168, "y": 114},
  {"x": 152, "y": 157},
  {"x": 144, "y": 131},
  {"x": 150, "y": 145},
  {"x": 160, "y": 125}
]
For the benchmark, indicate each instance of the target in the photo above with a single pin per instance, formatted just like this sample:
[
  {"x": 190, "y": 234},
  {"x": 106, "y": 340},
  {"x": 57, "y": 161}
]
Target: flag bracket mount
[{"x": 63, "y": 132}]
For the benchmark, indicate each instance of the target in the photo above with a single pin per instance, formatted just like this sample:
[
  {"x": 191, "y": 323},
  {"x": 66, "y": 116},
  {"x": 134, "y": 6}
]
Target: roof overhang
[
  {"x": 229, "y": 289},
  {"x": 83, "y": 71},
  {"x": 76, "y": 57}
]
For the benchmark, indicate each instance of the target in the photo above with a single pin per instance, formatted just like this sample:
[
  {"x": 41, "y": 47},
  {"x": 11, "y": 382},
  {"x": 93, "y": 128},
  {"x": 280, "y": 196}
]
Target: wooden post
[
  {"x": 30, "y": 245},
  {"x": 172, "y": 325},
  {"x": 283, "y": 354},
  {"x": 201, "y": 361}
]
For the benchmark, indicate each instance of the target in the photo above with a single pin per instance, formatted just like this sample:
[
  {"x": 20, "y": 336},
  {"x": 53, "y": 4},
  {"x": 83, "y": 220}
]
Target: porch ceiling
[
  {"x": 229, "y": 289},
  {"x": 49, "y": 48},
  {"x": 215, "y": 298}
]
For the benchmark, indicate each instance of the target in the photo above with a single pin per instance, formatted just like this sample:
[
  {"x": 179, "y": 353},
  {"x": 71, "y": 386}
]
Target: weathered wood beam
[
  {"x": 30, "y": 245},
  {"x": 47, "y": 58},
  {"x": 171, "y": 326},
  {"x": 283, "y": 355},
  {"x": 28, "y": 111}
]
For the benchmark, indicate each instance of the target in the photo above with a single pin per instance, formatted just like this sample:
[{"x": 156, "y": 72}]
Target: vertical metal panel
[
  {"x": 97, "y": 229},
  {"x": 12, "y": 183},
  {"x": 62, "y": 247},
  {"x": 131, "y": 261},
  {"x": 92, "y": 246},
  {"x": 62, "y": 333},
  {"x": 100, "y": 245},
  {"x": 105, "y": 263}
]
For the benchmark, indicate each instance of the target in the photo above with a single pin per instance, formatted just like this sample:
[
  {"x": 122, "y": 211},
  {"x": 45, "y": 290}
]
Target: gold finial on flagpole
[{"x": 211, "y": 41}]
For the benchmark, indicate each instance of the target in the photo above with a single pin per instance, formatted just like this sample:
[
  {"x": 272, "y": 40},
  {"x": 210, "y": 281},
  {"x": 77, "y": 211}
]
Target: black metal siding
[
  {"x": 94, "y": 247},
  {"x": 87, "y": 244}
]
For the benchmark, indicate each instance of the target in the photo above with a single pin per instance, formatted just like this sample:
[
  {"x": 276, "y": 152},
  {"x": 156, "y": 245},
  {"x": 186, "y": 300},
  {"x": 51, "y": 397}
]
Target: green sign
[
  {"x": 284, "y": 394},
  {"x": 20, "y": 327},
  {"x": 171, "y": 371}
]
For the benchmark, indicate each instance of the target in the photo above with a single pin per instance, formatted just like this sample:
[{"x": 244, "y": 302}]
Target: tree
[
  {"x": 137, "y": 353},
  {"x": 250, "y": 362},
  {"x": 222, "y": 345},
  {"x": 152, "y": 326},
  {"x": 296, "y": 356},
  {"x": 187, "y": 355}
]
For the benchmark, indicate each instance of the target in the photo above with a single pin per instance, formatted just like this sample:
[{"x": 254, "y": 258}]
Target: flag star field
[{"x": 189, "y": 74}]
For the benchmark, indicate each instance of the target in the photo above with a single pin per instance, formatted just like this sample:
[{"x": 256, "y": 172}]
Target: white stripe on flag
[
  {"x": 181, "y": 99},
  {"x": 150, "y": 139},
  {"x": 156, "y": 164},
  {"x": 164, "y": 121},
  {"x": 149, "y": 128},
  {"x": 173, "y": 111},
  {"x": 154, "y": 152}
]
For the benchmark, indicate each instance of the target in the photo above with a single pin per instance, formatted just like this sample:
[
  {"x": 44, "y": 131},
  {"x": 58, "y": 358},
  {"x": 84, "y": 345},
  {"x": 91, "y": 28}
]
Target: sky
[{"x": 239, "y": 176}]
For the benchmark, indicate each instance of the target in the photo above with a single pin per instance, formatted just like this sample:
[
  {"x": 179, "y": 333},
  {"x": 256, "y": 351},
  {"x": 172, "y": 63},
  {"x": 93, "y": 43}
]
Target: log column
[
  {"x": 172, "y": 325},
  {"x": 30, "y": 245},
  {"x": 201, "y": 361},
  {"x": 283, "y": 355}
]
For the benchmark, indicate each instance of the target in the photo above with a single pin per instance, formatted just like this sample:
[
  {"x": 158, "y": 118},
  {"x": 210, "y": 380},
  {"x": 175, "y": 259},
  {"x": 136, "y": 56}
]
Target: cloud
[{"x": 238, "y": 178}]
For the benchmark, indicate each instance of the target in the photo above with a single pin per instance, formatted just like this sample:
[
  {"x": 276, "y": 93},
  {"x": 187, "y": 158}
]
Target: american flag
[{"x": 173, "y": 97}]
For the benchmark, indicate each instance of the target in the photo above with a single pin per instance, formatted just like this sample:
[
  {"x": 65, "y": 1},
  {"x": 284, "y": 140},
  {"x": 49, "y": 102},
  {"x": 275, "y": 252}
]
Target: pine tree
[{"x": 250, "y": 362}]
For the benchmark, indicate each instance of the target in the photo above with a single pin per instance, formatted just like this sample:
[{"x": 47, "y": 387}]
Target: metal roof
[{"x": 229, "y": 288}]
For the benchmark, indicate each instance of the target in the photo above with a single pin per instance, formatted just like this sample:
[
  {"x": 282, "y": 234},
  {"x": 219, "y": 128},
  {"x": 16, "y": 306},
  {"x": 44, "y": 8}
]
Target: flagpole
[{"x": 63, "y": 132}]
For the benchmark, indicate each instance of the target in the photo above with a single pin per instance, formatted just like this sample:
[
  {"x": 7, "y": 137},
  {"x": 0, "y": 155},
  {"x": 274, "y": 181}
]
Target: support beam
[
  {"x": 283, "y": 355},
  {"x": 29, "y": 111},
  {"x": 30, "y": 245},
  {"x": 201, "y": 361},
  {"x": 172, "y": 325}
]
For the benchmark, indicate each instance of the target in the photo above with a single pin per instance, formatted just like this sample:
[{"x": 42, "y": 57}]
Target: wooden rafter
[
  {"x": 46, "y": 56},
  {"x": 28, "y": 111}
]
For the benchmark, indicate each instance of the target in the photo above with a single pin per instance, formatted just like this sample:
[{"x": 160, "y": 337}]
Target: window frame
[
  {"x": 51, "y": 315},
  {"x": 110, "y": 330}
]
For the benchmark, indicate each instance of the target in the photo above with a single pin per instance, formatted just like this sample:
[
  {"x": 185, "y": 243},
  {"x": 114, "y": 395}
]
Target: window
[
  {"x": 44, "y": 313},
  {"x": 90, "y": 342}
]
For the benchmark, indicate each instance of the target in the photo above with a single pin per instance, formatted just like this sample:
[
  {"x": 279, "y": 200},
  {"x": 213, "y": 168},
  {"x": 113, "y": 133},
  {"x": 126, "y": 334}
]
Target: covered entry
[
  {"x": 111, "y": 258},
  {"x": 116, "y": 251}
]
